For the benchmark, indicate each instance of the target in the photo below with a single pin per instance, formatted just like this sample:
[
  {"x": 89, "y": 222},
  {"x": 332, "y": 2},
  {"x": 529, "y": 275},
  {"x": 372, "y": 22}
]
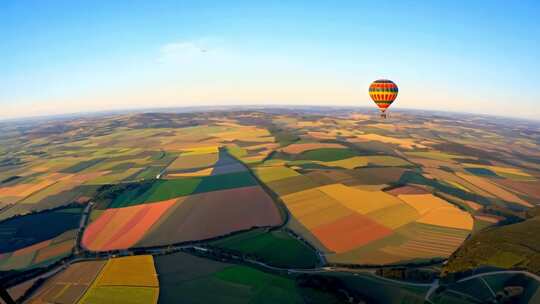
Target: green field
[
  {"x": 382, "y": 291},
  {"x": 187, "y": 279},
  {"x": 23, "y": 231},
  {"x": 159, "y": 190},
  {"x": 276, "y": 248},
  {"x": 326, "y": 154}
]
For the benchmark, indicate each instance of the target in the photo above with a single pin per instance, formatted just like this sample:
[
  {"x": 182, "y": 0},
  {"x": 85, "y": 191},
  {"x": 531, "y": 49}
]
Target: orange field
[
  {"x": 121, "y": 228},
  {"x": 350, "y": 232}
]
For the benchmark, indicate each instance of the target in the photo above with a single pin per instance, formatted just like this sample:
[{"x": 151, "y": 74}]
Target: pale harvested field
[
  {"x": 493, "y": 189},
  {"x": 111, "y": 178},
  {"x": 23, "y": 190},
  {"x": 426, "y": 241},
  {"x": 531, "y": 189},
  {"x": 488, "y": 218},
  {"x": 320, "y": 135},
  {"x": 303, "y": 124},
  {"x": 68, "y": 286},
  {"x": 402, "y": 142},
  {"x": 299, "y": 148},
  {"x": 473, "y": 205},
  {"x": 193, "y": 161}
]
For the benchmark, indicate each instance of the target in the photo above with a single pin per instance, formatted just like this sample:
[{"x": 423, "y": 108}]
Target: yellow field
[
  {"x": 394, "y": 216},
  {"x": 348, "y": 163},
  {"x": 200, "y": 150},
  {"x": 129, "y": 271},
  {"x": 130, "y": 279},
  {"x": 312, "y": 207},
  {"x": 448, "y": 217},
  {"x": 251, "y": 134},
  {"x": 436, "y": 211},
  {"x": 423, "y": 203},
  {"x": 324, "y": 216},
  {"x": 203, "y": 172},
  {"x": 268, "y": 174},
  {"x": 384, "y": 160},
  {"x": 308, "y": 205},
  {"x": 358, "y": 200}
]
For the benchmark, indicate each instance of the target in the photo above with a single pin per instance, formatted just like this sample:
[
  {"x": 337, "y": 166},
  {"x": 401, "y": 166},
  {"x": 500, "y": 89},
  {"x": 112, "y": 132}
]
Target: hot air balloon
[{"x": 383, "y": 92}]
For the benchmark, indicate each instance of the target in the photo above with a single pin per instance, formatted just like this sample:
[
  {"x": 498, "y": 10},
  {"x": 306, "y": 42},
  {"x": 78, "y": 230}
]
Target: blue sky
[{"x": 71, "y": 56}]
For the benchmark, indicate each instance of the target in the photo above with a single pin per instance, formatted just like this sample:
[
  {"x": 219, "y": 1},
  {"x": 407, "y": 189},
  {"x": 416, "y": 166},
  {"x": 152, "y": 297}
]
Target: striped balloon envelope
[{"x": 383, "y": 92}]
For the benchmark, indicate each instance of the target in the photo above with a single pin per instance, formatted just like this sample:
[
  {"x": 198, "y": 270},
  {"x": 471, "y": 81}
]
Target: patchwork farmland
[{"x": 109, "y": 202}]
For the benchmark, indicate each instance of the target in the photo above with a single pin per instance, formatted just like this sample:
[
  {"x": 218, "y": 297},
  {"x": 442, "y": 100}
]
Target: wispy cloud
[{"x": 186, "y": 51}]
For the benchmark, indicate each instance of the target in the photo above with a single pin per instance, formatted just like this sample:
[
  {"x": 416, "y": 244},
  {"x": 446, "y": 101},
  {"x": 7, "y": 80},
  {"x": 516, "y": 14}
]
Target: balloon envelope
[{"x": 383, "y": 92}]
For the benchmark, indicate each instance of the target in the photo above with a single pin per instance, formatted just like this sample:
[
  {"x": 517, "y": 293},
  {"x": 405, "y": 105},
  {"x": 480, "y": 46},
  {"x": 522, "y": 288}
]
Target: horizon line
[{"x": 143, "y": 110}]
